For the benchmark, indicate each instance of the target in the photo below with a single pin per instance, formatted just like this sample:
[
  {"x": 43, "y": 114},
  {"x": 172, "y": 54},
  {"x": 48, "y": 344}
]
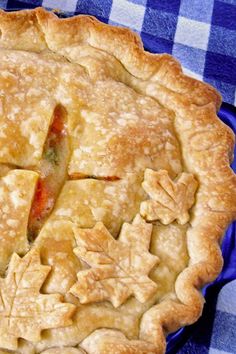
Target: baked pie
[{"x": 115, "y": 189}]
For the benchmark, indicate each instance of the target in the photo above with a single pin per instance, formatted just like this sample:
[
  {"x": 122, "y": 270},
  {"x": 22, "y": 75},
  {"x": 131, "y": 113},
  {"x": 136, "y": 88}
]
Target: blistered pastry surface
[
  {"x": 16, "y": 195},
  {"x": 118, "y": 256}
]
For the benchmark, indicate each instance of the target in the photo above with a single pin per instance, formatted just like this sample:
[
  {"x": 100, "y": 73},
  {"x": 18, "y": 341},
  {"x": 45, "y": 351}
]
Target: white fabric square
[
  {"x": 192, "y": 74},
  {"x": 192, "y": 33},
  {"x": 226, "y": 302},
  {"x": 216, "y": 351},
  {"x": 64, "y": 5},
  {"x": 128, "y": 14}
]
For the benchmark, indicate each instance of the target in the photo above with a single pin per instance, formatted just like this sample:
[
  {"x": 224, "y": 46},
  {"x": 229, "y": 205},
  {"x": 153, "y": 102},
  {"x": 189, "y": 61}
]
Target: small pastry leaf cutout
[
  {"x": 170, "y": 200},
  {"x": 24, "y": 312},
  {"x": 119, "y": 268}
]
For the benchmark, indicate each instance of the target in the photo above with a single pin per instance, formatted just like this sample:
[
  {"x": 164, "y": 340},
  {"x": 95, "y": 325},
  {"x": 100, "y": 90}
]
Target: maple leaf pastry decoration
[
  {"x": 119, "y": 268},
  {"x": 24, "y": 312},
  {"x": 169, "y": 200}
]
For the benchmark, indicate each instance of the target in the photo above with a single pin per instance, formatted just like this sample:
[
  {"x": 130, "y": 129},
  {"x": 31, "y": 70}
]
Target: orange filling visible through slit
[
  {"x": 78, "y": 175},
  {"x": 52, "y": 171}
]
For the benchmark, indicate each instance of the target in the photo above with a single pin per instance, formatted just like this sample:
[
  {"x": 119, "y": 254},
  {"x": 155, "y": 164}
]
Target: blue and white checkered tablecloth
[
  {"x": 219, "y": 337},
  {"x": 202, "y": 35}
]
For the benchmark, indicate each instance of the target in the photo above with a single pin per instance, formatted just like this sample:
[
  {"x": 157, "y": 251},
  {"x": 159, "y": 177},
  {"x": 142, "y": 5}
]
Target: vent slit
[{"x": 52, "y": 172}]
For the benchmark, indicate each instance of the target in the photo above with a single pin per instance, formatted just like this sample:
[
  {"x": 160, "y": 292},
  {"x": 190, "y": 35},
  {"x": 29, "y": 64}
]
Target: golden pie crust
[{"x": 115, "y": 189}]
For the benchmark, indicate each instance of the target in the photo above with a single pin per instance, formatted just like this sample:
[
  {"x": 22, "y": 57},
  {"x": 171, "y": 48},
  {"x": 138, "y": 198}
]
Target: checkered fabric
[
  {"x": 225, "y": 321},
  {"x": 220, "y": 339},
  {"x": 215, "y": 332},
  {"x": 202, "y": 35}
]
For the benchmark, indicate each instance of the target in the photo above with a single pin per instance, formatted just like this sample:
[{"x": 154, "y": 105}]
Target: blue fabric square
[
  {"x": 224, "y": 332},
  {"x": 191, "y": 58},
  {"x": 200, "y": 10},
  {"x": 224, "y": 15},
  {"x": 14, "y": 4},
  {"x": 96, "y": 8},
  {"x": 165, "y": 5},
  {"x": 227, "y": 90},
  {"x": 155, "y": 44},
  {"x": 18, "y": 4},
  {"x": 160, "y": 24},
  {"x": 220, "y": 67},
  {"x": 232, "y": 2},
  {"x": 222, "y": 40},
  {"x": 193, "y": 347},
  {"x": 139, "y": 2},
  {"x": 31, "y": 2}
]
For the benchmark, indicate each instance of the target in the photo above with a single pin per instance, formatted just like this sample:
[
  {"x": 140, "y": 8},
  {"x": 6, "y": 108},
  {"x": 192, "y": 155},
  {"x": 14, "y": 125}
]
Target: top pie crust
[{"x": 143, "y": 189}]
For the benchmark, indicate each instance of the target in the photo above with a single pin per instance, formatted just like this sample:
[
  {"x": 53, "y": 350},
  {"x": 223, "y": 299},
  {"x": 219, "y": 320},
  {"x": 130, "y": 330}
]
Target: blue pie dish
[
  {"x": 202, "y": 327},
  {"x": 201, "y": 330}
]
